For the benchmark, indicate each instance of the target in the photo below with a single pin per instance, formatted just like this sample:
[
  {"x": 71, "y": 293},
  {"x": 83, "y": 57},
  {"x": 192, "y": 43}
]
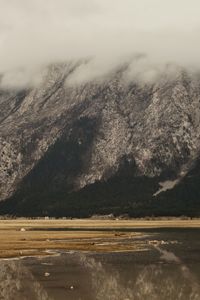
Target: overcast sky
[{"x": 38, "y": 32}]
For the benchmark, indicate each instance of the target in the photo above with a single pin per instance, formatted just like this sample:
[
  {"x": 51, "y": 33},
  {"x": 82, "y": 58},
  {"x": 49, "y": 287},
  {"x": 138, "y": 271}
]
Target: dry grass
[
  {"x": 32, "y": 241},
  {"x": 91, "y": 224}
]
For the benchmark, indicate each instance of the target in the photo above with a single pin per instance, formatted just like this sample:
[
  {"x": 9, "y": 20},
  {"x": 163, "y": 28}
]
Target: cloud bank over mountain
[{"x": 34, "y": 33}]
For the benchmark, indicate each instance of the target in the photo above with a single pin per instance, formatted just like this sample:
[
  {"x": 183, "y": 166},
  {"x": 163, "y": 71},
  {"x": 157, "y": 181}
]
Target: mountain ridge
[{"x": 67, "y": 141}]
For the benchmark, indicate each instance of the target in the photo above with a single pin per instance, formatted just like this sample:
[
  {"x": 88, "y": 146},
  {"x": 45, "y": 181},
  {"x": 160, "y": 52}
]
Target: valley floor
[{"x": 42, "y": 237}]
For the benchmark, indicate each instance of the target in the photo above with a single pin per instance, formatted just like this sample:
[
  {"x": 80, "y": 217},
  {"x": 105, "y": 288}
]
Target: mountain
[{"x": 105, "y": 146}]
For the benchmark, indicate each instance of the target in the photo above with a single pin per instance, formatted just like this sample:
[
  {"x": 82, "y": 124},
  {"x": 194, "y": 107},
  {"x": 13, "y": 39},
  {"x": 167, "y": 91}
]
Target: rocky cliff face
[{"x": 59, "y": 142}]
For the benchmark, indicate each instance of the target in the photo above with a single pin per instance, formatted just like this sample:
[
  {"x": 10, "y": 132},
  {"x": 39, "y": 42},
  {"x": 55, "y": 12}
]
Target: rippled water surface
[{"x": 168, "y": 270}]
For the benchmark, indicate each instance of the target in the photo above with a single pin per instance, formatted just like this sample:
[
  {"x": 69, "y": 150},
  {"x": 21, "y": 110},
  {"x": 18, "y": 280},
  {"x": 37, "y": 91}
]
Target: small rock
[{"x": 46, "y": 274}]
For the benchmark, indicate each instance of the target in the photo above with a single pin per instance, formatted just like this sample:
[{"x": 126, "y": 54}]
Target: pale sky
[{"x": 39, "y": 32}]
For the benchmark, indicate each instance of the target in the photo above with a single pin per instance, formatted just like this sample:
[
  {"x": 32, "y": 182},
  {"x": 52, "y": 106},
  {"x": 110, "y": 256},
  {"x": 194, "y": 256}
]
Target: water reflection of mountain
[{"x": 169, "y": 271}]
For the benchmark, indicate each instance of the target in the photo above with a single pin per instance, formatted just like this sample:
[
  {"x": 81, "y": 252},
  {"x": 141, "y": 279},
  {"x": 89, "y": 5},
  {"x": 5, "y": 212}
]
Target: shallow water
[{"x": 168, "y": 270}]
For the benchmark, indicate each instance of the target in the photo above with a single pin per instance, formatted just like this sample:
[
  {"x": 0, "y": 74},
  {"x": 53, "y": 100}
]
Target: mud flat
[
  {"x": 43, "y": 237},
  {"x": 99, "y": 259}
]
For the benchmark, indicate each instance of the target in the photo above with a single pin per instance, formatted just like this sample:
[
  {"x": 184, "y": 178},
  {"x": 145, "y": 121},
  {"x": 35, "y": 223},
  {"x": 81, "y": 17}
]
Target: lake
[{"x": 168, "y": 268}]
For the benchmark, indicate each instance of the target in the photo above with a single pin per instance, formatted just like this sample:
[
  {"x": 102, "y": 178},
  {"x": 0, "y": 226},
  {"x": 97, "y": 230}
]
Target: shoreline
[{"x": 23, "y": 238}]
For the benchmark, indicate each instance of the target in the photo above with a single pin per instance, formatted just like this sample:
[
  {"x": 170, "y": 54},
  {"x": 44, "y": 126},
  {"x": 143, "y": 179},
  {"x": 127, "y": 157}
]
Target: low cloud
[{"x": 35, "y": 33}]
